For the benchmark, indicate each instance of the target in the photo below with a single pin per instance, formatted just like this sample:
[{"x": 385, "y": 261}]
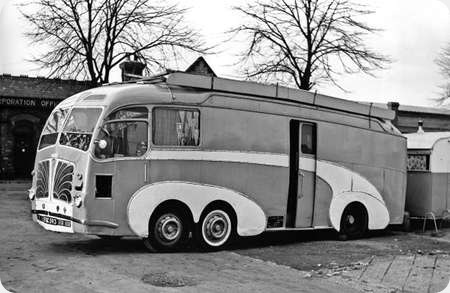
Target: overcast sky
[{"x": 414, "y": 32}]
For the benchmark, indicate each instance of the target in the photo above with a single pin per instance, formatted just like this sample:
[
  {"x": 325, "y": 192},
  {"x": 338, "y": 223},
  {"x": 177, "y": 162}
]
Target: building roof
[
  {"x": 425, "y": 140},
  {"x": 428, "y": 110},
  {"x": 418, "y": 109},
  {"x": 200, "y": 66},
  {"x": 39, "y": 87}
]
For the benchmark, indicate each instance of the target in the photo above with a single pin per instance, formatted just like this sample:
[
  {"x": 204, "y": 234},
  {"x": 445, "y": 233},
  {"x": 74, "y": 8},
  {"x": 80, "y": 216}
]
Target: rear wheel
[
  {"x": 353, "y": 222},
  {"x": 168, "y": 230},
  {"x": 215, "y": 229}
]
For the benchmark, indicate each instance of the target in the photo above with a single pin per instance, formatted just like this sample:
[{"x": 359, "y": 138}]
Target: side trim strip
[
  {"x": 101, "y": 223},
  {"x": 271, "y": 159},
  {"x": 340, "y": 178}
]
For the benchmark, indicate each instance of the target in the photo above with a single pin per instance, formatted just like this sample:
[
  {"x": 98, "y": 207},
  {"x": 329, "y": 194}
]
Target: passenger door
[
  {"x": 126, "y": 136},
  {"x": 302, "y": 170}
]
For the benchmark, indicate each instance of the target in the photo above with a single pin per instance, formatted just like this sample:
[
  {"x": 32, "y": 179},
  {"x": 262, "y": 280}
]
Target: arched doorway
[{"x": 25, "y": 142}]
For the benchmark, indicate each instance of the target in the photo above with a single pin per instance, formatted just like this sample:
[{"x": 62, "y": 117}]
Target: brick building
[
  {"x": 25, "y": 104},
  {"x": 408, "y": 117}
]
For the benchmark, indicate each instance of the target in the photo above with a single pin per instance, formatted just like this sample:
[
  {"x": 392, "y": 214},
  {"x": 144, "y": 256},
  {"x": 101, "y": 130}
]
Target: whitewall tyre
[{"x": 215, "y": 229}]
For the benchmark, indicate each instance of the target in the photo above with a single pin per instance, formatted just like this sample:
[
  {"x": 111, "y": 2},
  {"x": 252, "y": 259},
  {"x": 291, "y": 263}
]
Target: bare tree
[
  {"x": 87, "y": 38},
  {"x": 306, "y": 41},
  {"x": 443, "y": 61}
]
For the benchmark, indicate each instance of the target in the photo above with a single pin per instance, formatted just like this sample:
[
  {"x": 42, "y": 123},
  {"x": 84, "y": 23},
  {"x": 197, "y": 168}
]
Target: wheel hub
[
  {"x": 169, "y": 227},
  {"x": 350, "y": 219},
  {"x": 216, "y": 228}
]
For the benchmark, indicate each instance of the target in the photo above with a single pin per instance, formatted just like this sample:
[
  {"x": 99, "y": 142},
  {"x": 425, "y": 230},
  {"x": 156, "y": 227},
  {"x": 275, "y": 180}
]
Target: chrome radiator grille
[
  {"x": 62, "y": 186},
  {"x": 42, "y": 179},
  {"x": 61, "y": 173}
]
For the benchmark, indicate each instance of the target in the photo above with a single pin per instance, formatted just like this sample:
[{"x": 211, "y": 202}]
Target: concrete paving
[{"x": 403, "y": 273}]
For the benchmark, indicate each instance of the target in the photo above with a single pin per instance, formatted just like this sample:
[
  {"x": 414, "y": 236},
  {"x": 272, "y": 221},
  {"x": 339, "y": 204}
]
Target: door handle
[{"x": 300, "y": 173}]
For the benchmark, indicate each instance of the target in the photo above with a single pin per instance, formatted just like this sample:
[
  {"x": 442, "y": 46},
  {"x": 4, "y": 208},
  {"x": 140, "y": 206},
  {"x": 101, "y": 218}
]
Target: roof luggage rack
[
  {"x": 276, "y": 92},
  {"x": 179, "y": 78}
]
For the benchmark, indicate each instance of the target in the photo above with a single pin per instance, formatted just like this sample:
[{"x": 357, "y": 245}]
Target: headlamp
[
  {"x": 78, "y": 200},
  {"x": 31, "y": 193}
]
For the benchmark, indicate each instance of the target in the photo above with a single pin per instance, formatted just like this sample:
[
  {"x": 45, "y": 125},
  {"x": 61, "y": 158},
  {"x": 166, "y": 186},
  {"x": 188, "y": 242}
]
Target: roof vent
[{"x": 420, "y": 127}]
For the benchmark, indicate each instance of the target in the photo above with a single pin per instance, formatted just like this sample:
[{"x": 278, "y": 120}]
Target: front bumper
[{"x": 63, "y": 223}]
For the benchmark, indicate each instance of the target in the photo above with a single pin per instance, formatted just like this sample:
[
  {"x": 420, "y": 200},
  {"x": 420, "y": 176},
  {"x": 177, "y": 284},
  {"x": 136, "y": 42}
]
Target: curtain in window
[
  {"x": 165, "y": 126},
  {"x": 176, "y": 127}
]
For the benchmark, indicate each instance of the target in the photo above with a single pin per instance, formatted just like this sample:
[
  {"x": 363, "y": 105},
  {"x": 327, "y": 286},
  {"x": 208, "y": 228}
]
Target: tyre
[
  {"x": 216, "y": 229},
  {"x": 168, "y": 231},
  {"x": 354, "y": 222}
]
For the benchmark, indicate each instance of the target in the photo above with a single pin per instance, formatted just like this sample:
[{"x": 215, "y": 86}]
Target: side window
[
  {"x": 308, "y": 143},
  {"x": 176, "y": 127},
  {"x": 418, "y": 162},
  {"x": 123, "y": 134},
  {"x": 129, "y": 113}
]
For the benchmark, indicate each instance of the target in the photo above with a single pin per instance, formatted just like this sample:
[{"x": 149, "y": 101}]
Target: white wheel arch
[
  {"x": 251, "y": 219},
  {"x": 377, "y": 211},
  {"x": 349, "y": 186}
]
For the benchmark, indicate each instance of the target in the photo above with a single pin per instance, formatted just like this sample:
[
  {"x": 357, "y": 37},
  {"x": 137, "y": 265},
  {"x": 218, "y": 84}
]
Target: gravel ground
[{"x": 35, "y": 260}]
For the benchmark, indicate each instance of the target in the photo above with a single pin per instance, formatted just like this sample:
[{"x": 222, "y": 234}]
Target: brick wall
[{"x": 25, "y": 103}]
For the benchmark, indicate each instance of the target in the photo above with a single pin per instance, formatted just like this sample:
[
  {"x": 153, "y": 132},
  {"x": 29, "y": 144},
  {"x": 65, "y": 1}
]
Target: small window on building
[
  {"x": 418, "y": 162},
  {"x": 176, "y": 127},
  {"x": 308, "y": 143}
]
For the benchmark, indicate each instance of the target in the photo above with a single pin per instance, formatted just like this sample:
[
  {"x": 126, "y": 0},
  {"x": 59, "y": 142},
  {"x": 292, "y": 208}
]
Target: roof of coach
[
  {"x": 185, "y": 88},
  {"x": 117, "y": 95}
]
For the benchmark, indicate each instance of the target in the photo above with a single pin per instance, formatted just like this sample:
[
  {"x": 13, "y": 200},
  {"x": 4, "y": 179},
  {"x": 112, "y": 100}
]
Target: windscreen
[
  {"x": 77, "y": 132},
  {"x": 52, "y": 127}
]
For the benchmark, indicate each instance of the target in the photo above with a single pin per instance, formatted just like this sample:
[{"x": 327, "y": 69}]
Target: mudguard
[
  {"x": 251, "y": 219},
  {"x": 377, "y": 211},
  {"x": 348, "y": 186}
]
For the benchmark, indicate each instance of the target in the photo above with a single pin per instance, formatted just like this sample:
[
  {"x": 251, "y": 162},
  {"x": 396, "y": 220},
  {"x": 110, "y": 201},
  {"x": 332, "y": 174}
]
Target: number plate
[{"x": 53, "y": 221}]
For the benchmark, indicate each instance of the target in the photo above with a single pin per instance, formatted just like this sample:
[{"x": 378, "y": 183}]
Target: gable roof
[{"x": 200, "y": 67}]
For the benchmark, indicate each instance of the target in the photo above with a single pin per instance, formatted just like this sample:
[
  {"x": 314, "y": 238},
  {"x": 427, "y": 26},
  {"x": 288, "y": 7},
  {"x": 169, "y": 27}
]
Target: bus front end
[{"x": 62, "y": 160}]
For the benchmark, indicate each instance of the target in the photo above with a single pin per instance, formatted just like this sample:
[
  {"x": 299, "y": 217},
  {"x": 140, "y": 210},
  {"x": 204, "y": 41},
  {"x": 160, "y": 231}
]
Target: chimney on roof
[
  {"x": 131, "y": 69},
  {"x": 420, "y": 127},
  {"x": 394, "y": 107}
]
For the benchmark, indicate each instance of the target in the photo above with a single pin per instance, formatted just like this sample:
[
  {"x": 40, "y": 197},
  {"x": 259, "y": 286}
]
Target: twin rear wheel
[{"x": 170, "y": 229}]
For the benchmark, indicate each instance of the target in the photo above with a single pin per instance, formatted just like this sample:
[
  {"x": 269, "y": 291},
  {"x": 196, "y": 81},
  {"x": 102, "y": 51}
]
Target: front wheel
[
  {"x": 168, "y": 231},
  {"x": 353, "y": 222},
  {"x": 215, "y": 229}
]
